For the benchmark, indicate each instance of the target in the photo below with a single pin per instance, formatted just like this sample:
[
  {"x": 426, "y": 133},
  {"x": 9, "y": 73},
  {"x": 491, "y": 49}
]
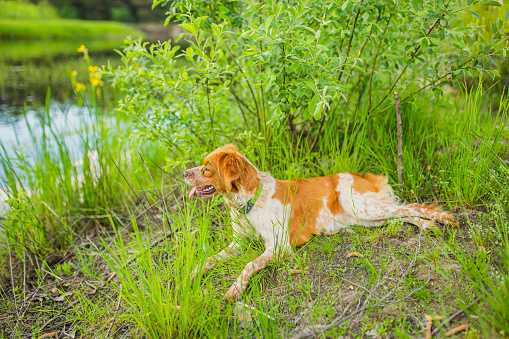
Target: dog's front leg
[
  {"x": 249, "y": 271},
  {"x": 232, "y": 250}
]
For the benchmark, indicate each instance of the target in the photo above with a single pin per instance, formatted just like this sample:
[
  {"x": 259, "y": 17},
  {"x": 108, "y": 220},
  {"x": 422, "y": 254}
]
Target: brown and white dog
[{"x": 287, "y": 213}]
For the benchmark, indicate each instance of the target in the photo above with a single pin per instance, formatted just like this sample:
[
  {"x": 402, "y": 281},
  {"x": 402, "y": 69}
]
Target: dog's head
[{"x": 225, "y": 170}]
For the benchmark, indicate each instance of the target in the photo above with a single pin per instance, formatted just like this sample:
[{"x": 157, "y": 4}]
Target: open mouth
[{"x": 202, "y": 191}]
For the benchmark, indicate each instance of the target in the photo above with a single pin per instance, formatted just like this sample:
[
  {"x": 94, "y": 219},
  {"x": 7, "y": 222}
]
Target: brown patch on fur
[
  {"x": 305, "y": 210},
  {"x": 368, "y": 182}
]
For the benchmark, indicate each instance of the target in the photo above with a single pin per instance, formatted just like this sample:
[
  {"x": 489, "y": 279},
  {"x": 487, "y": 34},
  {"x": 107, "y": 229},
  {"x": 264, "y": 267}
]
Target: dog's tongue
[{"x": 192, "y": 192}]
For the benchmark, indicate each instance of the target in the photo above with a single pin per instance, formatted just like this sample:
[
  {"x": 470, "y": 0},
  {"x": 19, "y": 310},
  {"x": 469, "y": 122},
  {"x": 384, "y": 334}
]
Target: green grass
[
  {"x": 21, "y": 9},
  {"x": 455, "y": 152},
  {"x": 64, "y": 29},
  {"x": 47, "y": 50}
]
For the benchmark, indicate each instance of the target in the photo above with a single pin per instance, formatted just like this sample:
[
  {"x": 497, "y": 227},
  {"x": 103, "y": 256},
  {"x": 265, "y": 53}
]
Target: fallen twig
[
  {"x": 455, "y": 315},
  {"x": 52, "y": 274}
]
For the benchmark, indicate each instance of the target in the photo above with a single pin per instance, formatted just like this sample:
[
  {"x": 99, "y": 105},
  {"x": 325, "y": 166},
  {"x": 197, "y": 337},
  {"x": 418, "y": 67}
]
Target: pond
[{"x": 27, "y": 71}]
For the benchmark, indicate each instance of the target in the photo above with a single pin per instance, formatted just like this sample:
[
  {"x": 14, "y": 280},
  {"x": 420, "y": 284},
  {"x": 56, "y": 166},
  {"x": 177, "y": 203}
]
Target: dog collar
[{"x": 245, "y": 210}]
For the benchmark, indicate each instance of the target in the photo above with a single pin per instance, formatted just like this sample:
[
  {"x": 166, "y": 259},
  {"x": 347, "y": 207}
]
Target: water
[
  {"x": 70, "y": 124},
  {"x": 26, "y": 120}
]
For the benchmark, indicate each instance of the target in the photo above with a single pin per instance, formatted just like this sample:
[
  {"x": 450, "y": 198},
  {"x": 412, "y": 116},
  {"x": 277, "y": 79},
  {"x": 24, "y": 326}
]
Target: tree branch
[
  {"x": 417, "y": 49},
  {"x": 339, "y": 79}
]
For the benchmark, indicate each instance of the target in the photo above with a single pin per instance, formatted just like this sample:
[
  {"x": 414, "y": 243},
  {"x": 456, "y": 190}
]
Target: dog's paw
[{"x": 233, "y": 293}]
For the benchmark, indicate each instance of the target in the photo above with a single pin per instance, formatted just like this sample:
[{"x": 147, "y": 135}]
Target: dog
[{"x": 286, "y": 213}]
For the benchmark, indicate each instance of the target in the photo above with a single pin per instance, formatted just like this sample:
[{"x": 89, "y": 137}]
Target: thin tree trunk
[{"x": 400, "y": 139}]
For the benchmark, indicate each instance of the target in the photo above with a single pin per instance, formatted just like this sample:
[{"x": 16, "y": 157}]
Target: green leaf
[
  {"x": 477, "y": 16},
  {"x": 312, "y": 105},
  {"x": 492, "y": 3},
  {"x": 268, "y": 22},
  {"x": 317, "y": 114},
  {"x": 310, "y": 29},
  {"x": 506, "y": 15},
  {"x": 155, "y": 3},
  {"x": 216, "y": 29},
  {"x": 415, "y": 5},
  {"x": 424, "y": 43},
  {"x": 188, "y": 27},
  {"x": 200, "y": 19}
]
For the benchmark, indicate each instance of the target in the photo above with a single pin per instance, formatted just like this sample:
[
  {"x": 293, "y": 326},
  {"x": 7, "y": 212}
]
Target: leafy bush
[{"x": 290, "y": 71}]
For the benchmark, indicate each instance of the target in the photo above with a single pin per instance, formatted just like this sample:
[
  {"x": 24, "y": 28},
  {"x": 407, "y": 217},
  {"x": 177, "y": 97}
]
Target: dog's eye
[{"x": 206, "y": 170}]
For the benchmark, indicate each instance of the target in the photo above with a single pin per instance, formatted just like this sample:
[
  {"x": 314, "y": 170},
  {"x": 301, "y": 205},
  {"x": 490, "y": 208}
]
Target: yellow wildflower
[
  {"x": 83, "y": 49},
  {"x": 96, "y": 82},
  {"x": 80, "y": 87},
  {"x": 142, "y": 72},
  {"x": 74, "y": 73},
  {"x": 95, "y": 76}
]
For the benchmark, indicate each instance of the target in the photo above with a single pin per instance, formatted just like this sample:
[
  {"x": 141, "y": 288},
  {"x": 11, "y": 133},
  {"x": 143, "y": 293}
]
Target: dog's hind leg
[
  {"x": 367, "y": 210},
  {"x": 427, "y": 212}
]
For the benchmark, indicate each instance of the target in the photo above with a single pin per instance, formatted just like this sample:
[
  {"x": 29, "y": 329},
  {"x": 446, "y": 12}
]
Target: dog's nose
[{"x": 186, "y": 174}]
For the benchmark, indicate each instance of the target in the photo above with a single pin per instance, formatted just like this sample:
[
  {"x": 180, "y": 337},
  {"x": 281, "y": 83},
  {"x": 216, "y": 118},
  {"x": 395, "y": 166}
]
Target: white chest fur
[{"x": 268, "y": 219}]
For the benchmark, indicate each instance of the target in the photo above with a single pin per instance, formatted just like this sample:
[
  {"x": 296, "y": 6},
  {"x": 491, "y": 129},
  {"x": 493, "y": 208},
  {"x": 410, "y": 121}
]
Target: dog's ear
[{"x": 230, "y": 167}]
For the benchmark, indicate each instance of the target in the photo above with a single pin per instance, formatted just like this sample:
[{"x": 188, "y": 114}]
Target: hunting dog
[{"x": 286, "y": 213}]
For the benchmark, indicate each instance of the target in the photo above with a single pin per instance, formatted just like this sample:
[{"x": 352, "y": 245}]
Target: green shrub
[{"x": 268, "y": 73}]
